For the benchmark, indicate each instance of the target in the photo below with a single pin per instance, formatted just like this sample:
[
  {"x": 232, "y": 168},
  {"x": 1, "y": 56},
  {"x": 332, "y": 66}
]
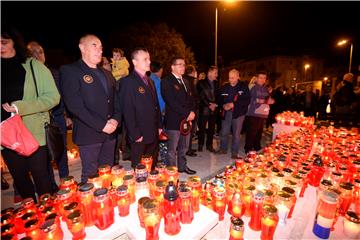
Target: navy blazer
[
  {"x": 88, "y": 102},
  {"x": 178, "y": 102},
  {"x": 241, "y": 100},
  {"x": 141, "y": 110}
]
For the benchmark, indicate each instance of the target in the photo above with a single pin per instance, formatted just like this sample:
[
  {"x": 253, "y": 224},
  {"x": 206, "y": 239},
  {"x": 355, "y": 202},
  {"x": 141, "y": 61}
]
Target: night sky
[{"x": 247, "y": 30}]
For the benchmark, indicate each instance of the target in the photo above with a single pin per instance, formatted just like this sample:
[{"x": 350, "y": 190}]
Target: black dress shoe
[
  {"x": 191, "y": 154},
  {"x": 187, "y": 171}
]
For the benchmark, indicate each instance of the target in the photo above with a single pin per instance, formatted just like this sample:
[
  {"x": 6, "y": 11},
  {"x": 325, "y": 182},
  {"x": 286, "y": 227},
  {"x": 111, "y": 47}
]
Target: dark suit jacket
[
  {"x": 178, "y": 102},
  {"x": 88, "y": 102},
  {"x": 241, "y": 100},
  {"x": 141, "y": 110},
  {"x": 207, "y": 96}
]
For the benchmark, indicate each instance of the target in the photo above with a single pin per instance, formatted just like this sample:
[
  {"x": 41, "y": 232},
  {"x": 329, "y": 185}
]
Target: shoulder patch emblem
[
  {"x": 88, "y": 79},
  {"x": 141, "y": 90}
]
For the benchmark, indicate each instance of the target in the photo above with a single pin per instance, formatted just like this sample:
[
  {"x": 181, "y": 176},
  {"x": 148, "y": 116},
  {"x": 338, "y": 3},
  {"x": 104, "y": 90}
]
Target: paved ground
[{"x": 206, "y": 164}]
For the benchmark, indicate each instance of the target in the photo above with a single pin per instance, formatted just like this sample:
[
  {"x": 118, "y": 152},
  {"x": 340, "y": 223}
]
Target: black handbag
[{"x": 53, "y": 134}]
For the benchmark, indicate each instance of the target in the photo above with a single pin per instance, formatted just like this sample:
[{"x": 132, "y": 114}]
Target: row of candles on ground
[
  {"x": 294, "y": 119},
  {"x": 280, "y": 176},
  {"x": 93, "y": 203}
]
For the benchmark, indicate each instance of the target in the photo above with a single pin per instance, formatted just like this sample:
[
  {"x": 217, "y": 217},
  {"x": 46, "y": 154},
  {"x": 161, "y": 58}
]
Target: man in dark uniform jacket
[
  {"x": 234, "y": 99},
  {"x": 89, "y": 94},
  {"x": 208, "y": 90},
  {"x": 179, "y": 105},
  {"x": 141, "y": 109}
]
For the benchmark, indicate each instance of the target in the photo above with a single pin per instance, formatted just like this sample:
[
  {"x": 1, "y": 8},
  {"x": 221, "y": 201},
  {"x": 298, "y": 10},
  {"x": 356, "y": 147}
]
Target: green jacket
[{"x": 35, "y": 110}]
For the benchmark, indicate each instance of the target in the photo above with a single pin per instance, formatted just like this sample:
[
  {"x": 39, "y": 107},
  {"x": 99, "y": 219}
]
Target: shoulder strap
[{"x": 34, "y": 78}]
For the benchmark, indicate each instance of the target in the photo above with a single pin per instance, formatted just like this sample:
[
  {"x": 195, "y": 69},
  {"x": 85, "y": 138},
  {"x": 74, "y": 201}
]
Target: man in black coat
[
  {"x": 89, "y": 95},
  {"x": 179, "y": 105},
  {"x": 141, "y": 109},
  {"x": 208, "y": 90},
  {"x": 234, "y": 99},
  {"x": 191, "y": 77}
]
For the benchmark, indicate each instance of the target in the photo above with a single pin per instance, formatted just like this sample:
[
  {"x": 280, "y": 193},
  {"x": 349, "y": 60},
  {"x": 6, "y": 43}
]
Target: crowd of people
[{"x": 113, "y": 110}]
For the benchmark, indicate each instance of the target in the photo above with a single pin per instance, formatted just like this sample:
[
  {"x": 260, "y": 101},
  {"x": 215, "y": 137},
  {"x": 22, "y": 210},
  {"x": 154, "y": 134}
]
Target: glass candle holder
[
  {"x": 152, "y": 179},
  {"x": 357, "y": 195},
  {"x": 229, "y": 191},
  {"x": 9, "y": 229},
  {"x": 69, "y": 183},
  {"x": 172, "y": 174},
  {"x": 147, "y": 160},
  {"x": 47, "y": 211},
  {"x": 123, "y": 200},
  {"x": 52, "y": 231},
  {"x": 104, "y": 212},
  {"x": 86, "y": 196},
  {"x": 256, "y": 208},
  {"x": 142, "y": 187},
  {"x": 6, "y": 219},
  {"x": 151, "y": 220},
  {"x": 325, "y": 213},
  {"x": 303, "y": 175},
  {"x": 246, "y": 199},
  {"x": 117, "y": 172},
  {"x": 236, "y": 229},
  {"x": 162, "y": 170},
  {"x": 172, "y": 210},
  {"x": 262, "y": 182},
  {"x": 113, "y": 196},
  {"x": 269, "y": 197},
  {"x": 129, "y": 181},
  {"x": 283, "y": 204},
  {"x": 352, "y": 225},
  {"x": 159, "y": 193},
  {"x": 29, "y": 205},
  {"x": 70, "y": 208},
  {"x": 336, "y": 178},
  {"x": 293, "y": 199},
  {"x": 76, "y": 225},
  {"x": 269, "y": 221},
  {"x": 95, "y": 180},
  {"x": 345, "y": 197},
  {"x": 9, "y": 210},
  {"x": 129, "y": 171},
  {"x": 219, "y": 201},
  {"x": 279, "y": 180},
  {"x": 187, "y": 212},
  {"x": 141, "y": 171},
  {"x": 324, "y": 185},
  {"x": 194, "y": 182},
  {"x": 140, "y": 211},
  {"x": 53, "y": 216},
  {"x": 236, "y": 208},
  {"x": 105, "y": 175}
]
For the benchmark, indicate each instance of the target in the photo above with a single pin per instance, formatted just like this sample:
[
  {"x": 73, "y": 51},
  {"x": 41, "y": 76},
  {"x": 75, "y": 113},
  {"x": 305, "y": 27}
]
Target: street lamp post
[
  {"x": 342, "y": 42},
  {"x": 216, "y": 34},
  {"x": 228, "y": 2},
  {"x": 306, "y": 66}
]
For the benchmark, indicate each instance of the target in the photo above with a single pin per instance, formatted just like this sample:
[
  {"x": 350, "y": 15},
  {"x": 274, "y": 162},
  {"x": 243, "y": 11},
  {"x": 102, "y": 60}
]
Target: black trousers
[
  {"x": 254, "y": 130},
  {"x": 210, "y": 120},
  {"x": 139, "y": 149},
  {"x": 20, "y": 168}
]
